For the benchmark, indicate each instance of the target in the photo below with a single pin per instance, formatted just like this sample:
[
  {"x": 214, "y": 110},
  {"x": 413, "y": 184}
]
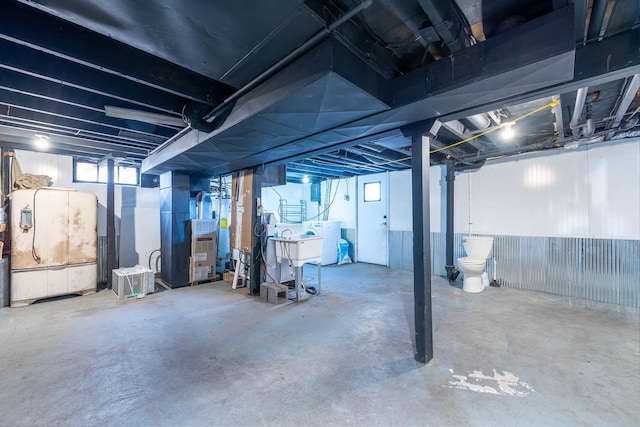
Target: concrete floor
[{"x": 208, "y": 355}]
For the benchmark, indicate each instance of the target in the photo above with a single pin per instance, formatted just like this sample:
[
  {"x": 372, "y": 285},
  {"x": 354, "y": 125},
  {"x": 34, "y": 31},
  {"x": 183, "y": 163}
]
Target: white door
[{"x": 373, "y": 219}]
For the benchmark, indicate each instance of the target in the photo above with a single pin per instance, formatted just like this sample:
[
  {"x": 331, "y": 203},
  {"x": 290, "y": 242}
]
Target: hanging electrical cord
[
  {"x": 34, "y": 253},
  {"x": 262, "y": 229},
  {"x": 263, "y": 264},
  {"x": 330, "y": 204},
  {"x": 326, "y": 209},
  {"x": 276, "y": 191},
  {"x": 495, "y": 128},
  {"x": 157, "y": 258},
  {"x": 264, "y": 238},
  {"x": 346, "y": 195},
  {"x": 327, "y": 200}
]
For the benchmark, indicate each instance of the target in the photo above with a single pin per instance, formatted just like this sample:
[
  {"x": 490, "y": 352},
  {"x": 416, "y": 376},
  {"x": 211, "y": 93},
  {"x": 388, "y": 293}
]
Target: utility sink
[{"x": 299, "y": 249}]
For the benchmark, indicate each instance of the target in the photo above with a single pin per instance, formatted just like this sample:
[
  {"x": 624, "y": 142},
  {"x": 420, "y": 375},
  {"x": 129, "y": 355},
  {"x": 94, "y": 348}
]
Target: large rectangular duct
[
  {"x": 329, "y": 97},
  {"x": 174, "y": 216},
  {"x": 327, "y": 87}
]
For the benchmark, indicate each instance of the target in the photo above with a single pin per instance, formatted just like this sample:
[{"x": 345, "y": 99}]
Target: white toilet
[{"x": 478, "y": 250}]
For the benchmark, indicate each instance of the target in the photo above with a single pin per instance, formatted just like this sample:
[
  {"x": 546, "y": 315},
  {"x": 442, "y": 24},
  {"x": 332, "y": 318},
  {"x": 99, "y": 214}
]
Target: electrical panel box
[{"x": 315, "y": 193}]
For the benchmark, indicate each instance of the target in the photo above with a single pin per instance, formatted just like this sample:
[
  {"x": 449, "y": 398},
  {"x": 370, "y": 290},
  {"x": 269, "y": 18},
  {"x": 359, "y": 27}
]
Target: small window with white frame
[
  {"x": 92, "y": 172},
  {"x": 372, "y": 191}
]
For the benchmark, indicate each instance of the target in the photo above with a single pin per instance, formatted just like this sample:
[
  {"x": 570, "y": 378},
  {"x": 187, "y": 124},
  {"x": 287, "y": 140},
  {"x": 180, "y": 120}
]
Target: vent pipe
[
  {"x": 452, "y": 272},
  {"x": 581, "y": 95},
  {"x": 480, "y": 121},
  {"x": 589, "y": 127},
  {"x": 598, "y": 12},
  {"x": 451, "y": 169}
]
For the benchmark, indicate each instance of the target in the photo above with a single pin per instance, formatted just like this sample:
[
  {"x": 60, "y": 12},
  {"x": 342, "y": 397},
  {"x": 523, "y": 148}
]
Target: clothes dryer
[{"x": 330, "y": 230}]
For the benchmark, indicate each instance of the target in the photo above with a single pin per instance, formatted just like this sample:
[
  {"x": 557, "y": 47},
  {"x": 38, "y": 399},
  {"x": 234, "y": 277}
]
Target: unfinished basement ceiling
[{"x": 331, "y": 88}]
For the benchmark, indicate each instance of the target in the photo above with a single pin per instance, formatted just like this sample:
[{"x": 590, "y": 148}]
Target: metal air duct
[
  {"x": 581, "y": 95},
  {"x": 480, "y": 121}
]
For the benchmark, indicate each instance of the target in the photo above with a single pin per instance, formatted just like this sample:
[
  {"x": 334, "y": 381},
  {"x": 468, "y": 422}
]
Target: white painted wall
[
  {"x": 139, "y": 225},
  {"x": 292, "y": 193},
  {"x": 592, "y": 192},
  {"x": 400, "y": 200},
  {"x": 343, "y": 210},
  {"x": 340, "y": 210},
  {"x": 137, "y": 209}
]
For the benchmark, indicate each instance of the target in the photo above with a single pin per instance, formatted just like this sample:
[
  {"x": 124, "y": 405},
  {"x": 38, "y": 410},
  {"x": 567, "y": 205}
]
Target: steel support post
[
  {"x": 421, "y": 248},
  {"x": 255, "y": 274},
  {"x": 111, "y": 221}
]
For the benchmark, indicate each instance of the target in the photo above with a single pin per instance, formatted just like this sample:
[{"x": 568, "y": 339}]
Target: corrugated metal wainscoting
[
  {"x": 102, "y": 257},
  {"x": 606, "y": 270}
]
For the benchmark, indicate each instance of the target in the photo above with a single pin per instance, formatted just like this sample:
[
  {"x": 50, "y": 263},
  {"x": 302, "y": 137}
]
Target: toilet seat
[{"x": 471, "y": 262}]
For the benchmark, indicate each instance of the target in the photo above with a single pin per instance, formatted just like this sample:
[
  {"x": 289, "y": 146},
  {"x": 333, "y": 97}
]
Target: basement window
[
  {"x": 372, "y": 191},
  {"x": 88, "y": 171}
]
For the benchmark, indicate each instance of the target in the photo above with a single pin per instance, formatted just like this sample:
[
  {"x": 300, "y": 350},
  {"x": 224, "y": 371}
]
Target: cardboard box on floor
[{"x": 227, "y": 276}]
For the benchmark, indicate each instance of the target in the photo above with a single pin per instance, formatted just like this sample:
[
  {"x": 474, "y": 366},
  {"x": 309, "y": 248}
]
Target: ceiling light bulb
[
  {"x": 507, "y": 132},
  {"x": 42, "y": 141},
  {"x": 305, "y": 179}
]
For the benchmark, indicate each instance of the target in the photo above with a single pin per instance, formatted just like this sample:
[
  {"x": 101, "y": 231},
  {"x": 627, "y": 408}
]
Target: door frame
[{"x": 388, "y": 207}]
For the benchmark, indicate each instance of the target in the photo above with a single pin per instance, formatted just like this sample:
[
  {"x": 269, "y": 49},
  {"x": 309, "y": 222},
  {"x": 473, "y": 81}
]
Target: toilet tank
[{"x": 479, "y": 247}]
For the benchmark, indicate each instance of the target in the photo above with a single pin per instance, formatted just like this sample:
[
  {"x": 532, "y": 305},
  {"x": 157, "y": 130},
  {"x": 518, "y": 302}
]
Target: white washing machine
[{"x": 330, "y": 230}]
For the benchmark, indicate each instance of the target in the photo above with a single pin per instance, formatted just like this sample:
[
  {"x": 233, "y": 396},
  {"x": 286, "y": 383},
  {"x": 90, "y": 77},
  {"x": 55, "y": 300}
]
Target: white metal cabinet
[
  {"x": 83, "y": 232},
  {"x": 82, "y": 279},
  {"x": 57, "y": 254},
  {"x": 27, "y": 286}
]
